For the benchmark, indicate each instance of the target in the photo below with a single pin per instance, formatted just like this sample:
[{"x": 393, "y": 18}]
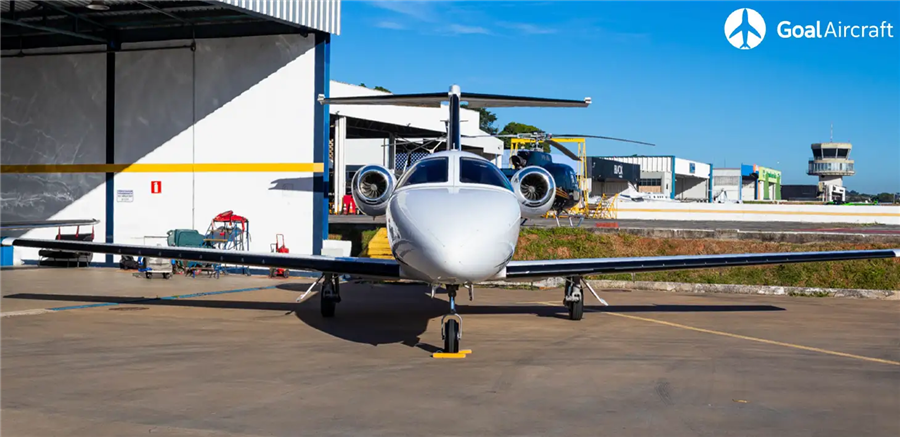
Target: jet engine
[
  {"x": 371, "y": 188},
  {"x": 536, "y": 190}
]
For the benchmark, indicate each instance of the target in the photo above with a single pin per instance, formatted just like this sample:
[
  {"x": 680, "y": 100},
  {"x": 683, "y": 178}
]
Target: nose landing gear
[{"x": 451, "y": 329}]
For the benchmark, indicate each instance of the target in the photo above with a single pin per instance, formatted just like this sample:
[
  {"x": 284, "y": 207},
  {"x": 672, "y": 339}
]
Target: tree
[
  {"x": 377, "y": 87},
  {"x": 519, "y": 128},
  {"x": 885, "y": 198},
  {"x": 486, "y": 120}
]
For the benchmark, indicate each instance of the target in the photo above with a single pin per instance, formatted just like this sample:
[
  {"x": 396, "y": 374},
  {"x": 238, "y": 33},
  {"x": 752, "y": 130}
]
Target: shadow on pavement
[{"x": 377, "y": 314}]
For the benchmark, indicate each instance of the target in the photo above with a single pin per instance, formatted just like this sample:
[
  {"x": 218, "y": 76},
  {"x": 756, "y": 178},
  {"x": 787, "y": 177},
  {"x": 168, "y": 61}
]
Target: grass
[
  {"x": 558, "y": 243},
  {"x": 562, "y": 243}
]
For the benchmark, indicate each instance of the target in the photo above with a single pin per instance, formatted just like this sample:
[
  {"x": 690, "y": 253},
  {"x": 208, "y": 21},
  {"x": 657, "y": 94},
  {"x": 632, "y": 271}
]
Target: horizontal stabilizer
[{"x": 434, "y": 100}]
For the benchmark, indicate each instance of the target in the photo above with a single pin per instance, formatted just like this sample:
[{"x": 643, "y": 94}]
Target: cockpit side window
[
  {"x": 427, "y": 171},
  {"x": 479, "y": 171}
]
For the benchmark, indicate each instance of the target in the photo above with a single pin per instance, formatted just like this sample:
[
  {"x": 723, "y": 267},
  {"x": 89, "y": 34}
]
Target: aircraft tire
[
  {"x": 576, "y": 309},
  {"x": 328, "y": 307},
  {"x": 451, "y": 342}
]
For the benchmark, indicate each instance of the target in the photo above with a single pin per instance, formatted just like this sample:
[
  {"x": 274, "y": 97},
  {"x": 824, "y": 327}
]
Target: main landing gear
[
  {"x": 574, "y": 298},
  {"x": 330, "y": 295}
]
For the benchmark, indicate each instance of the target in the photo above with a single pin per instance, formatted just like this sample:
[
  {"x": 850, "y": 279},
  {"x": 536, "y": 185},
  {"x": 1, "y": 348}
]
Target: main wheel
[
  {"x": 451, "y": 341},
  {"x": 328, "y": 307},
  {"x": 576, "y": 309}
]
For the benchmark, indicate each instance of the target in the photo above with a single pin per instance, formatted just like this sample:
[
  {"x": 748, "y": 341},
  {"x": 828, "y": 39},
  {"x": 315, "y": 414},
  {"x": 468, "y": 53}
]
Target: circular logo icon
[{"x": 745, "y": 28}]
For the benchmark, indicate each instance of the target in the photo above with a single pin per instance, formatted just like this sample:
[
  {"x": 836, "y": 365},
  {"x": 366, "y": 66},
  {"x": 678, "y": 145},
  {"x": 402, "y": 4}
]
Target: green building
[{"x": 764, "y": 182}]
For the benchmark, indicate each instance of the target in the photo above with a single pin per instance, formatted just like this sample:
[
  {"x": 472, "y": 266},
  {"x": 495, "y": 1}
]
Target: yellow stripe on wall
[
  {"x": 301, "y": 167},
  {"x": 703, "y": 211}
]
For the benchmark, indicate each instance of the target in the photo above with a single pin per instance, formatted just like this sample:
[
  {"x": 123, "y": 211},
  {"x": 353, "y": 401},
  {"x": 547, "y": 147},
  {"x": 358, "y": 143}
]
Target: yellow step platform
[{"x": 379, "y": 246}]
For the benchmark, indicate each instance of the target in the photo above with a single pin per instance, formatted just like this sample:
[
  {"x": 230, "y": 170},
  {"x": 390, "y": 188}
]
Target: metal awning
[{"x": 32, "y": 24}]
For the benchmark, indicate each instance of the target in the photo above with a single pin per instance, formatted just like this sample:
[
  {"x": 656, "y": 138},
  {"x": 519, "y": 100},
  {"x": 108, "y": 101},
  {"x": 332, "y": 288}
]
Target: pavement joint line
[
  {"x": 744, "y": 337},
  {"x": 130, "y": 302}
]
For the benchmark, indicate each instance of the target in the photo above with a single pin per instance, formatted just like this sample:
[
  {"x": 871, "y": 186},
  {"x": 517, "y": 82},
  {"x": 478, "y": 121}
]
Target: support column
[
  {"x": 109, "y": 224},
  {"x": 340, "y": 163},
  {"x": 320, "y": 142},
  {"x": 392, "y": 153}
]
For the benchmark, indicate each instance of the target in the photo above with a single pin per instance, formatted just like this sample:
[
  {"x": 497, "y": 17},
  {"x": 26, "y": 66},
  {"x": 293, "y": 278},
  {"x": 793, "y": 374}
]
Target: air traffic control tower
[{"x": 831, "y": 162}]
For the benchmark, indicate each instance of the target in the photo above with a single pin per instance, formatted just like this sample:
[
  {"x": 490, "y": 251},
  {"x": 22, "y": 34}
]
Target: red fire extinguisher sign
[{"x": 156, "y": 187}]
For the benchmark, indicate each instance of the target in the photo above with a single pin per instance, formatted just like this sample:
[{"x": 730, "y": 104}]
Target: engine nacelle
[
  {"x": 371, "y": 188},
  {"x": 536, "y": 190}
]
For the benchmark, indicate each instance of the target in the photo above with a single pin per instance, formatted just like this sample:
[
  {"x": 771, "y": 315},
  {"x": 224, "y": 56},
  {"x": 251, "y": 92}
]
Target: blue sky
[{"x": 660, "y": 72}]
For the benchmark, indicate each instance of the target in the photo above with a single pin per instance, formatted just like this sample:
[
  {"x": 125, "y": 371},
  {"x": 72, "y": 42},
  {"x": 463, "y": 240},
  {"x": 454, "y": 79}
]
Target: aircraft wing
[
  {"x": 593, "y": 266},
  {"x": 9, "y": 226},
  {"x": 364, "y": 267}
]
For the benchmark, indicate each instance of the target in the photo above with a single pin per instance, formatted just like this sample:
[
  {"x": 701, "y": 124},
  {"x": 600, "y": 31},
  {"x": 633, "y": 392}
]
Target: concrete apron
[{"x": 680, "y": 287}]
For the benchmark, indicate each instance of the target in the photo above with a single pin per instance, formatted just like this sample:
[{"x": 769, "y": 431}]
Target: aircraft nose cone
[{"x": 454, "y": 235}]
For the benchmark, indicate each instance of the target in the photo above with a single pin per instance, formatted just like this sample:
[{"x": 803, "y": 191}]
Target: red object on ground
[
  {"x": 279, "y": 248},
  {"x": 607, "y": 225},
  {"x": 349, "y": 205}
]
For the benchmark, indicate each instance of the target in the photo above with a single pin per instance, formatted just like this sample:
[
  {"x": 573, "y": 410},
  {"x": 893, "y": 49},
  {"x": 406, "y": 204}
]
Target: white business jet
[{"x": 453, "y": 219}]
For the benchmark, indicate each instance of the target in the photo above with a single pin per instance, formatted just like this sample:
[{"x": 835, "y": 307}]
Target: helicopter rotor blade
[
  {"x": 563, "y": 149},
  {"x": 602, "y": 137}
]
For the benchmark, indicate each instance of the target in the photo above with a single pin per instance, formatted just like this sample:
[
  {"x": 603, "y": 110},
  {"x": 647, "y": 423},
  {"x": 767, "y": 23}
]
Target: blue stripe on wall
[
  {"x": 672, "y": 193},
  {"x": 320, "y": 142}
]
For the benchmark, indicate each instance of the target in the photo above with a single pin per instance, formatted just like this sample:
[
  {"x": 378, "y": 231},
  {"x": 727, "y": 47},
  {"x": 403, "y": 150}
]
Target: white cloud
[
  {"x": 415, "y": 9},
  {"x": 390, "y": 25},
  {"x": 460, "y": 29},
  {"x": 527, "y": 28}
]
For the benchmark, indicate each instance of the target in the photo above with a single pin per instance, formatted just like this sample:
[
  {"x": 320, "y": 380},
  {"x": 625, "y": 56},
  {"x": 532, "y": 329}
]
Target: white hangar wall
[
  {"x": 54, "y": 112},
  {"x": 228, "y": 127}
]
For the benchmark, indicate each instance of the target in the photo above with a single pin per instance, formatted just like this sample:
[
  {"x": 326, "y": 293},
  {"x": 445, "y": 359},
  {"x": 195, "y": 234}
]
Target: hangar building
[
  {"x": 678, "y": 178},
  {"x": 153, "y": 116},
  {"x": 749, "y": 182},
  {"x": 609, "y": 177}
]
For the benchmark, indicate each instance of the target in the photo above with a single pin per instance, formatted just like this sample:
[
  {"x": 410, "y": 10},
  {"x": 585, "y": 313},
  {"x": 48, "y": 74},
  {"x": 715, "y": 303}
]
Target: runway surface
[
  {"x": 130, "y": 356},
  {"x": 674, "y": 224}
]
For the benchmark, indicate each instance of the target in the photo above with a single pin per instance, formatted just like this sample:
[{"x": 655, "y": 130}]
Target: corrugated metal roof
[{"x": 323, "y": 15}]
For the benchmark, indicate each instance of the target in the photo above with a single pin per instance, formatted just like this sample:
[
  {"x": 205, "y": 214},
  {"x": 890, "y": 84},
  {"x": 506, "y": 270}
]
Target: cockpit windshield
[
  {"x": 479, "y": 171},
  {"x": 427, "y": 171}
]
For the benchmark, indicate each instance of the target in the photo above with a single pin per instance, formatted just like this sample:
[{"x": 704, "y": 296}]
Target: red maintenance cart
[{"x": 278, "y": 247}]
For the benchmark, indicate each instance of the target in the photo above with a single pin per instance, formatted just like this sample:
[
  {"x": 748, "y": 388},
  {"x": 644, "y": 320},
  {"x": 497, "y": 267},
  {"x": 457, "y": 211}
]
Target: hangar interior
[
  {"x": 391, "y": 136},
  {"x": 154, "y": 116}
]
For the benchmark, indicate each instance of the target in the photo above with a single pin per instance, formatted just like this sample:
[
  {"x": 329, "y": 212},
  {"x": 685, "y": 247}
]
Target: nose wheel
[{"x": 451, "y": 329}]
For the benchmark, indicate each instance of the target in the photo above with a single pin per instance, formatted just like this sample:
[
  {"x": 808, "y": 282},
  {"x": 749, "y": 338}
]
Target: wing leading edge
[
  {"x": 593, "y": 266},
  {"x": 365, "y": 267}
]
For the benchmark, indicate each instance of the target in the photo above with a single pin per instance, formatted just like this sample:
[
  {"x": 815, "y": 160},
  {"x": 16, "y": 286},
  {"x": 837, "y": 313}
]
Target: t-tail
[
  {"x": 455, "y": 97},
  {"x": 454, "y": 127}
]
